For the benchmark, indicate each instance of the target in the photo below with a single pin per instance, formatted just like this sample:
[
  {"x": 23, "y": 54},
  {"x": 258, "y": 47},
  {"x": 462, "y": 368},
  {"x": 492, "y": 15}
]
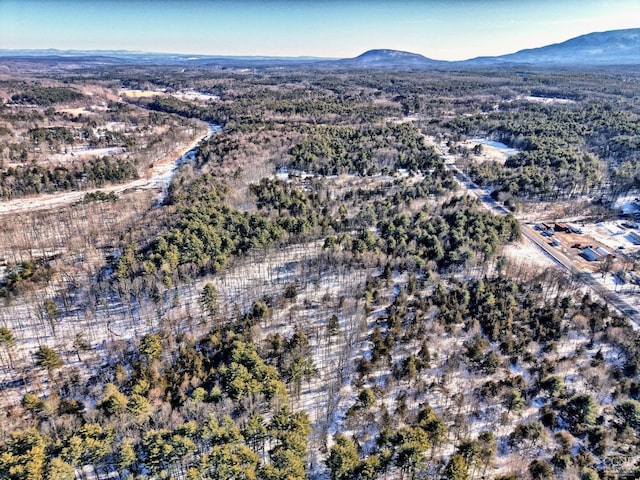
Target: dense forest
[
  {"x": 315, "y": 296},
  {"x": 563, "y": 148}
]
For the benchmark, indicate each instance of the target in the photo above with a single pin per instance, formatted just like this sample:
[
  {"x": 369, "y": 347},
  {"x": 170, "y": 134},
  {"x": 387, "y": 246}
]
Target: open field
[
  {"x": 489, "y": 151},
  {"x": 141, "y": 93}
]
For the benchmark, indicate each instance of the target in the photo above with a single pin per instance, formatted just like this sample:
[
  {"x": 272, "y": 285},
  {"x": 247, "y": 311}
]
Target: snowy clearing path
[{"x": 157, "y": 177}]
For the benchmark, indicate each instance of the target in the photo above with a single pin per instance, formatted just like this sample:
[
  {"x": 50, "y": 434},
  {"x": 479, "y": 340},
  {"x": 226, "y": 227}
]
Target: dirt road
[{"x": 156, "y": 178}]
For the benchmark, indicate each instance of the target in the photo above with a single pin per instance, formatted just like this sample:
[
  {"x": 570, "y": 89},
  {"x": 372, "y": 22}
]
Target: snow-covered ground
[
  {"x": 158, "y": 177},
  {"x": 83, "y": 152},
  {"x": 194, "y": 95},
  {"x": 81, "y": 110},
  {"x": 547, "y": 100},
  {"x": 184, "y": 95},
  {"x": 141, "y": 93},
  {"x": 491, "y": 150},
  {"x": 526, "y": 253},
  {"x": 612, "y": 234},
  {"x": 629, "y": 204}
]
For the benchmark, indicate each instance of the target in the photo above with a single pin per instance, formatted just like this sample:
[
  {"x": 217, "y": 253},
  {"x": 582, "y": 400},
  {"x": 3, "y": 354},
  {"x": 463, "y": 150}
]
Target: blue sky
[{"x": 440, "y": 29}]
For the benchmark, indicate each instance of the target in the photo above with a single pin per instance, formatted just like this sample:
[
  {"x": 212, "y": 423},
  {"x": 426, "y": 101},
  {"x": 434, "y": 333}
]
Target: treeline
[
  {"x": 328, "y": 109},
  {"x": 41, "y": 130},
  {"x": 185, "y": 109},
  {"x": 55, "y": 137},
  {"x": 294, "y": 210},
  {"x": 204, "y": 233},
  {"x": 460, "y": 233},
  {"x": 46, "y": 96},
  {"x": 253, "y": 108},
  {"x": 35, "y": 179},
  {"x": 365, "y": 150},
  {"x": 51, "y": 136}
]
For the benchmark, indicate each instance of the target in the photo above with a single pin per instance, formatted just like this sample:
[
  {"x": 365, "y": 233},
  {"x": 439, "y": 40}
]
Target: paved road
[
  {"x": 558, "y": 257},
  {"x": 465, "y": 182},
  {"x": 585, "y": 277}
]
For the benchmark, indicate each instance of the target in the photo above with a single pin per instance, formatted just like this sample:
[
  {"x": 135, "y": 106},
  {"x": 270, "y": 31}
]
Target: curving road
[{"x": 158, "y": 177}]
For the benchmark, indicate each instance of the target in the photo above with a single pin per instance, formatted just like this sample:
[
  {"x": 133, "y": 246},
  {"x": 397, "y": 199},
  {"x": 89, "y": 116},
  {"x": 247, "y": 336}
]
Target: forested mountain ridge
[
  {"x": 386, "y": 58},
  {"x": 615, "y": 47}
]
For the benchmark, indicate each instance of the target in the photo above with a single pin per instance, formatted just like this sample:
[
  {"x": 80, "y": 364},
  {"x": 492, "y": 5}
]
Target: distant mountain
[
  {"x": 390, "y": 59},
  {"x": 106, "y": 57},
  {"x": 615, "y": 47}
]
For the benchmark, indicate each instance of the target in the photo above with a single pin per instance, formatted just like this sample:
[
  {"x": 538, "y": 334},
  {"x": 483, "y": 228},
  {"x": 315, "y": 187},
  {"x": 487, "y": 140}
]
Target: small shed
[{"x": 590, "y": 254}]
